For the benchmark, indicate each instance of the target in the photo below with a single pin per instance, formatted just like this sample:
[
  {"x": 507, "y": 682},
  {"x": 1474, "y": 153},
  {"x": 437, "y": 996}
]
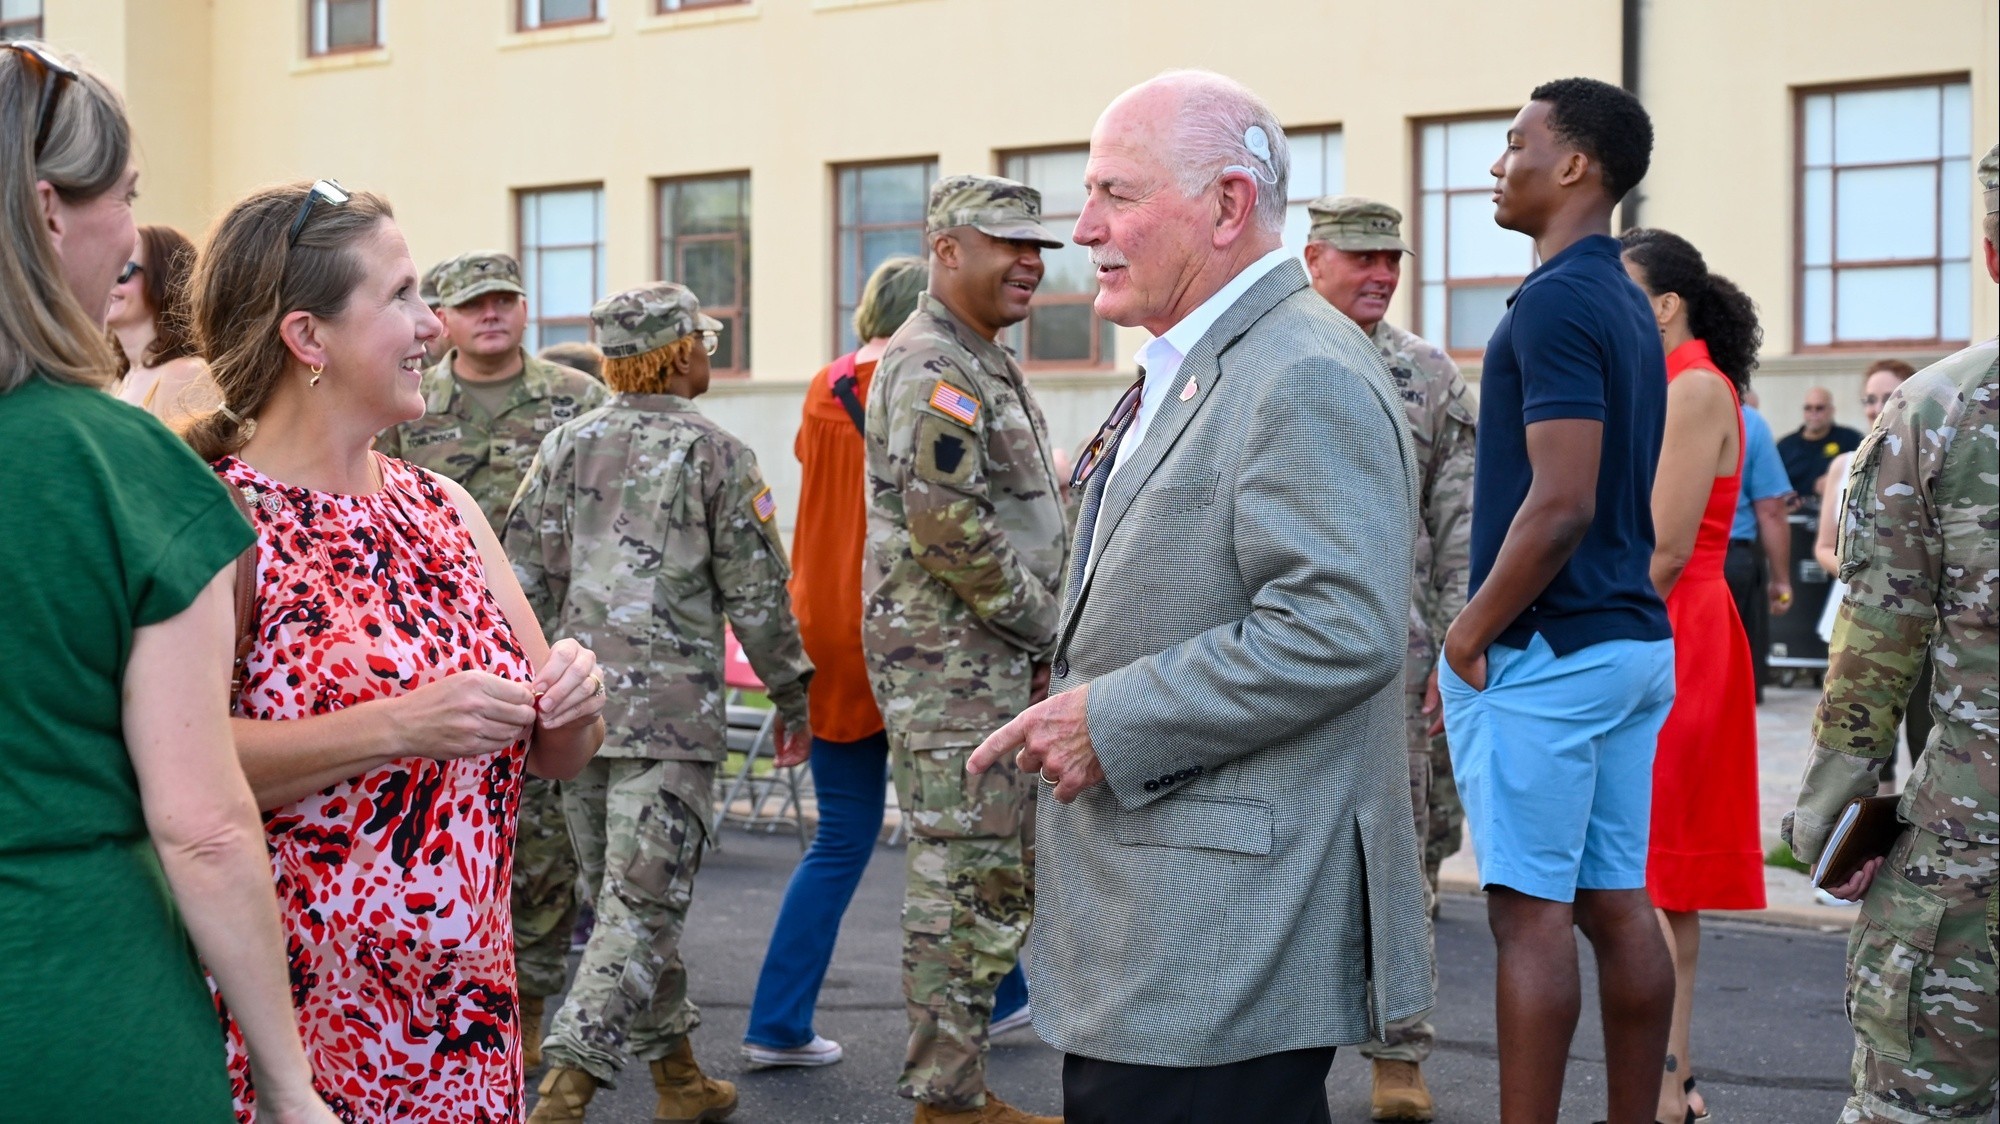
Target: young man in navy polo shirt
[{"x": 1558, "y": 674}]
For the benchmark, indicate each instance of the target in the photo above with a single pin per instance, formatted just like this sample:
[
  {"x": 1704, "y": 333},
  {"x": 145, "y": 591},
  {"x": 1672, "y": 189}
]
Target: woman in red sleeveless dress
[
  {"x": 1706, "y": 848},
  {"x": 397, "y": 685}
]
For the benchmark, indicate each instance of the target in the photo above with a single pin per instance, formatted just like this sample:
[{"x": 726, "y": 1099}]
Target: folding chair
[{"x": 753, "y": 733}]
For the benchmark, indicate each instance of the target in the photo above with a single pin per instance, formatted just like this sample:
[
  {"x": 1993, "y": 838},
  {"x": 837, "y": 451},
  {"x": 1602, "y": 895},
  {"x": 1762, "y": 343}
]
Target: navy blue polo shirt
[{"x": 1578, "y": 340}]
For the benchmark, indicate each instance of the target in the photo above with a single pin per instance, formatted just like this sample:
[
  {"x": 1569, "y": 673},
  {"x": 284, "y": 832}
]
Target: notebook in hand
[{"x": 1866, "y": 829}]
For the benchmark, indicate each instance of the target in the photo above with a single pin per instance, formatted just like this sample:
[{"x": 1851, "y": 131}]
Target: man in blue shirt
[
  {"x": 1760, "y": 576},
  {"x": 1558, "y": 674}
]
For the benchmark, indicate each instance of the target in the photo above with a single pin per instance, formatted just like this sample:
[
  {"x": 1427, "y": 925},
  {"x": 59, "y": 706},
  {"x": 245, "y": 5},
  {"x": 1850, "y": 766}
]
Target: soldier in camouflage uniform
[
  {"x": 642, "y": 525},
  {"x": 1920, "y": 551},
  {"x": 487, "y": 406},
  {"x": 428, "y": 290},
  {"x": 1355, "y": 259},
  {"x": 961, "y": 598}
]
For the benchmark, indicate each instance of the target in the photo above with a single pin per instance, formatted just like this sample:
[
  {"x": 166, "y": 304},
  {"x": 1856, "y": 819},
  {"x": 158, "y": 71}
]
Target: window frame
[
  {"x": 1292, "y": 133},
  {"x": 521, "y": 23},
  {"x": 1834, "y": 265},
  {"x": 25, "y": 27},
  {"x": 1104, "y": 351},
  {"x": 1440, "y": 334},
  {"x": 531, "y": 271},
  {"x": 314, "y": 51},
  {"x": 835, "y": 171},
  {"x": 735, "y": 317}
]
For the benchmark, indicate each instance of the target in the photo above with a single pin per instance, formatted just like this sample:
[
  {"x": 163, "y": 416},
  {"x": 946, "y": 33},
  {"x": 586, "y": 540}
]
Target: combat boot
[
  {"x": 565, "y": 1092},
  {"x": 531, "y": 1032},
  {"x": 687, "y": 1095},
  {"x": 994, "y": 1111},
  {"x": 1400, "y": 1092}
]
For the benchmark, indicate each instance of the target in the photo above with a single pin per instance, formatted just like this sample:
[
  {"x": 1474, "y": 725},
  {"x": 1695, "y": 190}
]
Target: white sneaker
[
  {"x": 1015, "y": 1021},
  {"x": 820, "y": 1051}
]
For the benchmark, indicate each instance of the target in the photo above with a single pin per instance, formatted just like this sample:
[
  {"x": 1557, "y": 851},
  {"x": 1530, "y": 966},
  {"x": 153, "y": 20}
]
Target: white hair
[{"x": 1217, "y": 114}]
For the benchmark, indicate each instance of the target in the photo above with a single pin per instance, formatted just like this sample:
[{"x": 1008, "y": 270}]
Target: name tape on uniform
[{"x": 955, "y": 403}]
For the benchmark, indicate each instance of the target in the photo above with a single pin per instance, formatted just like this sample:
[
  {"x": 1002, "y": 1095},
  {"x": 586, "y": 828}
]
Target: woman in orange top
[{"x": 850, "y": 753}]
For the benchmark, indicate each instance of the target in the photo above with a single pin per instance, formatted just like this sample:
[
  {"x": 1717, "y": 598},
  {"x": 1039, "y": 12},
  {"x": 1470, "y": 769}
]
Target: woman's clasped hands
[{"x": 473, "y": 713}]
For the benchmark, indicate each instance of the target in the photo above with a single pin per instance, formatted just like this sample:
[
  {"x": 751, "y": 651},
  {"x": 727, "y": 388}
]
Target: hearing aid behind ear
[{"x": 1259, "y": 144}]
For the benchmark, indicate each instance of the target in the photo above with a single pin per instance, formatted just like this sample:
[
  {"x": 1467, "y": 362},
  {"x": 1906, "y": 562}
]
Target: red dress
[
  {"x": 1707, "y": 849},
  {"x": 392, "y": 885}
]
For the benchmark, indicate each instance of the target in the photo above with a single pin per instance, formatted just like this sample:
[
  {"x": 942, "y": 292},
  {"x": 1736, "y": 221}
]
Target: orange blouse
[{"x": 827, "y": 542}]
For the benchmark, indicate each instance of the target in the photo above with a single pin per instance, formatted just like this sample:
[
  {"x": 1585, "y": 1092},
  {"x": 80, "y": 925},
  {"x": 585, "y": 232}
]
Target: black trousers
[
  {"x": 1287, "y": 1088},
  {"x": 1748, "y": 573}
]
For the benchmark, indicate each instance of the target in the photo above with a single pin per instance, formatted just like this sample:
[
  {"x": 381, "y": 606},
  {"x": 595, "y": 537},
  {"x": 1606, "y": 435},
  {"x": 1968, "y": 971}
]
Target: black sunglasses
[
  {"x": 54, "y": 75},
  {"x": 328, "y": 190},
  {"x": 131, "y": 270}
]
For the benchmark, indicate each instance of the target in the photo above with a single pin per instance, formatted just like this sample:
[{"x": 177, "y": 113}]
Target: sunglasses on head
[
  {"x": 328, "y": 191},
  {"x": 55, "y": 76}
]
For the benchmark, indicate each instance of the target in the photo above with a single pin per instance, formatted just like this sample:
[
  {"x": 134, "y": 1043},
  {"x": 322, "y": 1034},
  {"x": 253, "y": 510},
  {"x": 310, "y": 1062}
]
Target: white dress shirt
[{"x": 1161, "y": 357}]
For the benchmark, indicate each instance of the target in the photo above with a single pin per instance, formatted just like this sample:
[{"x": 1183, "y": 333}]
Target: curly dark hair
[
  {"x": 1719, "y": 314},
  {"x": 1605, "y": 123}
]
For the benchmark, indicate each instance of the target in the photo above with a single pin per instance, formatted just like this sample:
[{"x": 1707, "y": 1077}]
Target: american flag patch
[
  {"x": 955, "y": 403},
  {"x": 764, "y": 505}
]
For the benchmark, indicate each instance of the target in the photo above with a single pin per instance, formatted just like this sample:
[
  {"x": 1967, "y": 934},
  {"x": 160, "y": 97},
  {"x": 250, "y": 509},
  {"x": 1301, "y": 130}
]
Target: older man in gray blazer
[{"x": 1227, "y": 877}]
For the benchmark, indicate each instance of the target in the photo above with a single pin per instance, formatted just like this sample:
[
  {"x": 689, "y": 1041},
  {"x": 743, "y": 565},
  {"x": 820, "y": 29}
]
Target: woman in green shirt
[{"x": 126, "y": 826}]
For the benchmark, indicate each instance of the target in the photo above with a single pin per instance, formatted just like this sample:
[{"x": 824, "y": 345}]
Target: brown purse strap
[{"x": 246, "y": 601}]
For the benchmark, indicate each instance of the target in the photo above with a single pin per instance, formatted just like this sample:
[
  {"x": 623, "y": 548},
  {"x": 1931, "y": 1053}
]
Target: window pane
[
  {"x": 1819, "y": 129},
  {"x": 1475, "y": 312},
  {"x": 709, "y": 207},
  {"x": 1955, "y": 231},
  {"x": 725, "y": 347},
  {"x": 566, "y": 218},
  {"x": 850, "y": 280},
  {"x": 1298, "y": 227},
  {"x": 879, "y": 245},
  {"x": 1817, "y": 216},
  {"x": 1433, "y": 315},
  {"x": 565, "y": 283},
  {"x": 1471, "y": 147},
  {"x": 1068, "y": 270},
  {"x": 1058, "y": 176},
  {"x": 844, "y": 315},
  {"x": 1433, "y": 157},
  {"x": 1958, "y": 119},
  {"x": 895, "y": 193},
  {"x": 20, "y": 9},
  {"x": 1433, "y": 235},
  {"x": 560, "y": 333},
  {"x": 1886, "y": 213},
  {"x": 556, "y": 11},
  {"x": 1888, "y": 304},
  {"x": 1336, "y": 163},
  {"x": 351, "y": 23},
  {"x": 1059, "y": 332},
  {"x": 844, "y": 188},
  {"x": 1875, "y": 126},
  {"x": 1955, "y": 309},
  {"x": 1816, "y": 308},
  {"x": 1479, "y": 248},
  {"x": 709, "y": 270},
  {"x": 1308, "y": 178}
]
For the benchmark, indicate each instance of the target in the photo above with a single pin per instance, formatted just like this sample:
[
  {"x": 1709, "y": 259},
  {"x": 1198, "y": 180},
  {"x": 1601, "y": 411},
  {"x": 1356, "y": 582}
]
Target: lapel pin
[{"x": 1187, "y": 391}]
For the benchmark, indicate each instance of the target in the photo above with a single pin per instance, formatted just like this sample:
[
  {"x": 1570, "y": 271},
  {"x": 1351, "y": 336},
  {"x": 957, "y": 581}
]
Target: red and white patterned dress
[{"x": 392, "y": 885}]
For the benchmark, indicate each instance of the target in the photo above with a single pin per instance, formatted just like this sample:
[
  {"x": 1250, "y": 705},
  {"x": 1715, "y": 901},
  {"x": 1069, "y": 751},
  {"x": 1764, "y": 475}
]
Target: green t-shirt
[{"x": 108, "y": 523}]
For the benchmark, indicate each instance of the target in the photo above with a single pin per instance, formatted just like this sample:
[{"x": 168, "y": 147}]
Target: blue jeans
[{"x": 852, "y": 782}]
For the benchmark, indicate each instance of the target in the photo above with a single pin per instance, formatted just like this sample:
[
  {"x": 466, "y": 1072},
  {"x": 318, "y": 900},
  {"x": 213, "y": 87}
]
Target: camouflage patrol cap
[
  {"x": 1350, "y": 222},
  {"x": 1989, "y": 178},
  {"x": 428, "y": 287},
  {"x": 648, "y": 318},
  {"x": 989, "y": 205},
  {"x": 476, "y": 274}
]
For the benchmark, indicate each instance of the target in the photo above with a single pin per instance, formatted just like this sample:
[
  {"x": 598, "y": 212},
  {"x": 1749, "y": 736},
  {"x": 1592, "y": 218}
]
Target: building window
[
  {"x": 1061, "y": 330},
  {"x": 879, "y": 211},
  {"x": 20, "y": 19},
  {"x": 1884, "y": 206},
  {"x": 705, "y": 245},
  {"x": 555, "y": 13},
  {"x": 1467, "y": 265},
  {"x": 562, "y": 261},
  {"x": 334, "y": 26},
  {"x": 1319, "y": 167}
]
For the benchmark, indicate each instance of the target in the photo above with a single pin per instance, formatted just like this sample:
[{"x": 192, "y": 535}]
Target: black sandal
[{"x": 1688, "y": 1088}]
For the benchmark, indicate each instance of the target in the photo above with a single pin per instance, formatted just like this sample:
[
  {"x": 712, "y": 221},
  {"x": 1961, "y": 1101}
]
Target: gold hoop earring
[{"x": 317, "y": 372}]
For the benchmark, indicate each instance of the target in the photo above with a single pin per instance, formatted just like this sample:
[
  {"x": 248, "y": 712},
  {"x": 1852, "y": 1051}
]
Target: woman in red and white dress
[{"x": 398, "y": 685}]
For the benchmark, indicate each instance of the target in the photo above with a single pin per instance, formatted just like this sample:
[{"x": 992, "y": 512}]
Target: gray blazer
[{"x": 1247, "y": 881}]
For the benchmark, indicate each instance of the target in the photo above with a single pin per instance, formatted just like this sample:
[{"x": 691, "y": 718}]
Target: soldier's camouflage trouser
[
  {"x": 544, "y": 892},
  {"x": 1410, "y": 1040},
  {"x": 1921, "y": 984},
  {"x": 641, "y": 847},
  {"x": 966, "y": 907},
  {"x": 1445, "y": 815}
]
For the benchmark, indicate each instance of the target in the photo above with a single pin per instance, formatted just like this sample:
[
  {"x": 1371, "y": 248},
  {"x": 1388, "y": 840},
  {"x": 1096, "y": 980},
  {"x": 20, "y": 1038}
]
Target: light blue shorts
[{"x": 1554, "y": 761}]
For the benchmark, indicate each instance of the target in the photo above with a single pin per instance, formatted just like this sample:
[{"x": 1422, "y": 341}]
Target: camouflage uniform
[
  {"x": 640, "y": 527},
  {"x": 1441, "y": 419},
  {"x": 961, "y": 599},
  {"x": 1919, "y": 547},
  {"x": 489, "y": 455}
]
